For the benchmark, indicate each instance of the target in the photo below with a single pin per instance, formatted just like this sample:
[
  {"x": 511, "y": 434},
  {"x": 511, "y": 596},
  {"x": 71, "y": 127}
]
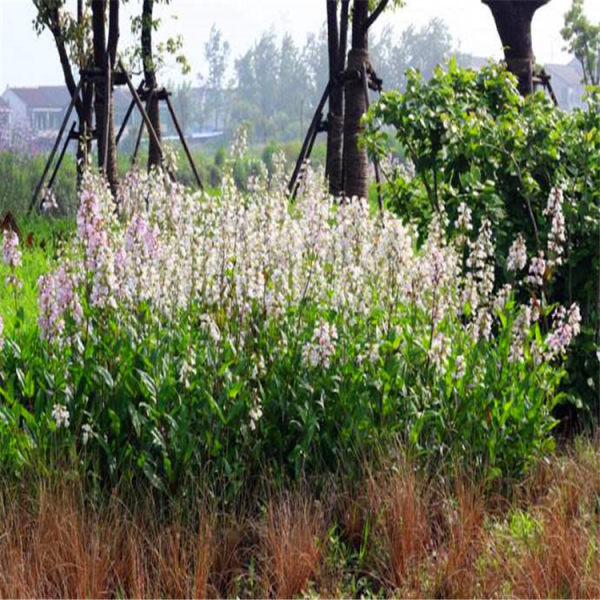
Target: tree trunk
[
  {"x": 112, "y": 172},
  {"x": 56, "y": 27},
  {"x": 513, "y": 21},
  {"x": 104, "y": 55},
  {"x": 154, "y": 153},
  {"x": 113, "y": 31},
  {"x": 65, "y": 64},
  {"x": 84, "y": 146},
  {"x": 355, "y": 156},
  {"x": 337, "y": 37},
  {"x": 99, "y": 43}
]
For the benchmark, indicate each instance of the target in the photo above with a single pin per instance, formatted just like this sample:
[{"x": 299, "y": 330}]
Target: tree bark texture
[
  {"x": 104, "y": 54},
  {"x": 355, "y": 156},
  {"x": 513, "y": 21},
  {"x": 154, "y": 152},
  {"x": 337, "y": 60}
]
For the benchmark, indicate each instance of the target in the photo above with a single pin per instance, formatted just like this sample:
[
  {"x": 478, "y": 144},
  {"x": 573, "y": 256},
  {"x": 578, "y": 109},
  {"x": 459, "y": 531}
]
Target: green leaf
[
  {"x": 135, "y": 419},
  {"x": 235, "y": 389},
  {"x": 105, "y": 376}
]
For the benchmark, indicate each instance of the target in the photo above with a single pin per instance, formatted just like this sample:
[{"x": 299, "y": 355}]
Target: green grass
[
  {"x": 20, "y": 174},
  {"x": 46, "y": 236}
]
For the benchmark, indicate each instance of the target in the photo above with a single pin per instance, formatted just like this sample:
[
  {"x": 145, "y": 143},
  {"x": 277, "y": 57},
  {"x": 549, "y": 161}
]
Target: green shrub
[{"x": 470, "y": 137}]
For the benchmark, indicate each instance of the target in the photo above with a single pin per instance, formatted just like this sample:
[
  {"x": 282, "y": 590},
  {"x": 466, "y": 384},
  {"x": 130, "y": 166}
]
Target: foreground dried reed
[{"x": 393, "y": 534}]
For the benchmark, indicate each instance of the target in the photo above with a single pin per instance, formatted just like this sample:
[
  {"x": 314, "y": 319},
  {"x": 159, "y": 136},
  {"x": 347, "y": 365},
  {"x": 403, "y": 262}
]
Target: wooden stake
[
  {"x": 183, "y": 142},
  {"x": 62, "y": 155},
  {"x": 141, "y": 108},
  {"x": 309, "y": 140},
  {"x": 55, "y": 148}
]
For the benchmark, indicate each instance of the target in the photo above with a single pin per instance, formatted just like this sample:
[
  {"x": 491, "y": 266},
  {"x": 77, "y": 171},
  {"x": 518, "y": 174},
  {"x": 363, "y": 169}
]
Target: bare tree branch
[
  {"x": 49, "y": 16},
  {"x": 376, "y": 13}
]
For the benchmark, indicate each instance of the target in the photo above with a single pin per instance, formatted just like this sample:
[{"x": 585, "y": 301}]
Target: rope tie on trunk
[
  {"x": 357, "y": 58},
  {"x": 520, "y": 65}
]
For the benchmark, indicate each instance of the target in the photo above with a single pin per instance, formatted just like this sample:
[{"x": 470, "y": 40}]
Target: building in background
[
  {"x": 36, "y": 113},
  {"x": 567, "y": 83},
  {"x": 41, "y": 110},
  {"x": 5, "y": 115}
]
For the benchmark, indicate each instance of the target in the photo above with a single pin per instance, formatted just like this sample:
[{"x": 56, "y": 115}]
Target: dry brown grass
[
  {"x": 563, "y": 557},
  {"x": 292, "y": 535},
  {"x": 455, "y": 575},
  {"x": 56, "y": 546},
  {"x": 443, "y": 539},
  {"x": 400, "y": 504}
]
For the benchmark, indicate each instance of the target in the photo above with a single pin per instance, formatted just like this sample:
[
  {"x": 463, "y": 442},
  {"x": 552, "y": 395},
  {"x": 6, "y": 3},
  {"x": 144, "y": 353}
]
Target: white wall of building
[{"x": 19, "y": 108}]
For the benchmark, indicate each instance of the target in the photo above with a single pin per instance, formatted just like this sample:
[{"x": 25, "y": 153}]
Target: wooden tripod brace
[{"x": 121, "y": 77}]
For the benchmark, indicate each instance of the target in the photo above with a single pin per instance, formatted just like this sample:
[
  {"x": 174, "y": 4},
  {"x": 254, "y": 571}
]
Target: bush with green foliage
[{"x": 467, "y": 136}]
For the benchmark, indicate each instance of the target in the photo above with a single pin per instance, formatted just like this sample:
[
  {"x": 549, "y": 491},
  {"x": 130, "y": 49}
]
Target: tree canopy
[{"x": 583, "y": 40}]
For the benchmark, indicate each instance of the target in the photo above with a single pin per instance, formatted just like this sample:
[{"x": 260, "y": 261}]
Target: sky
[{"x": 26, "y": 59}]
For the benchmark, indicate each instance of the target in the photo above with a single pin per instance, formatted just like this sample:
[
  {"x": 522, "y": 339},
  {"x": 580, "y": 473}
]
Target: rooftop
[
  {"x": 48, "y": 97},
  {"x": 571, "y": 74},
  {"x": 51, "y": 97}
]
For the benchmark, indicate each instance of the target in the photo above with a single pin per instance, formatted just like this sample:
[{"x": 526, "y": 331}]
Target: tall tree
[
  {"x": 70, "y": 38},
  {"x": 147, "y": 25},
  {"x": 423, "y": 49},
  {"x": 152, "y": 58},
  {"x": 513, "y": 21},
  {"x": 185, "y": 105},
  {"x": 583, "y": 40},
  {"x": 316, "y": 56},
  {"x": 337, "y": 36},
  {"x": 105, "y": 53},
  {"x": 293, "y": 87},
  {"x": 258, "y": 78},
  {"x": 355, "y": 155},
  {"x": 216, "y": 52}
]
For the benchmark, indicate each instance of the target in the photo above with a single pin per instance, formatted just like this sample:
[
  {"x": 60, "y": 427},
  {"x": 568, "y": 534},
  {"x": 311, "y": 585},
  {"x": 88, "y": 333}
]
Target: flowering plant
[{"x": 189, "y": 332}]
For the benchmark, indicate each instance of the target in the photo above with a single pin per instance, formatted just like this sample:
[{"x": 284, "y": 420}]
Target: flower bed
[{"x": 185, "y": 333}]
